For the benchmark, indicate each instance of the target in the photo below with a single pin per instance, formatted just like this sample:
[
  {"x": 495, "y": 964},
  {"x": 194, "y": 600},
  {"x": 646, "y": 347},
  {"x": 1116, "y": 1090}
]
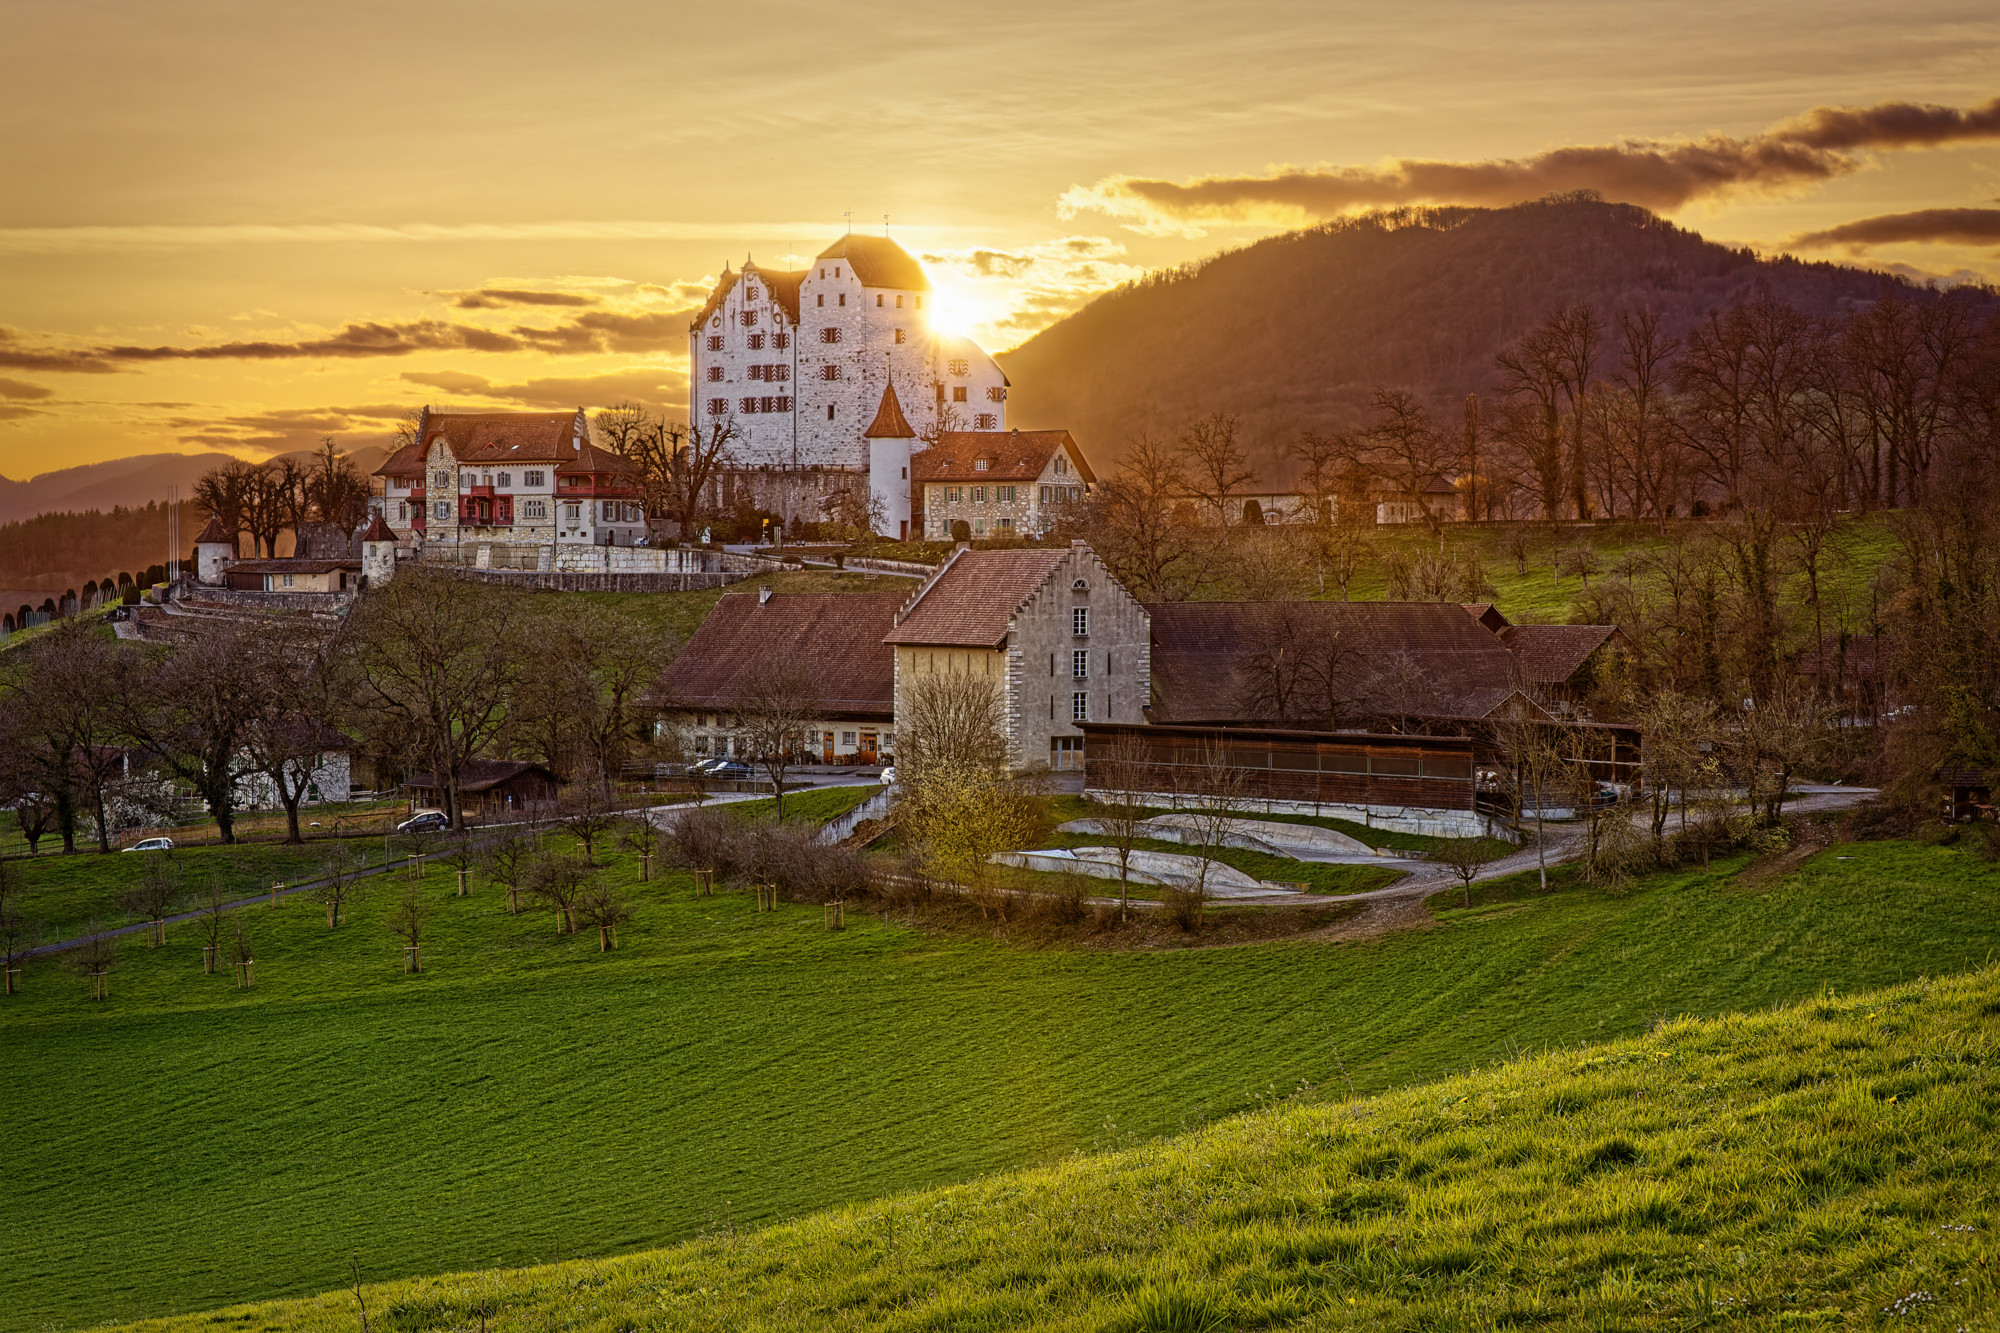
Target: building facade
[
  {"x": 1061, "y": 639},
  {"x": 525, "y": 478},
  {"x": 998, "y": 483},
  {"x": 798, "y": 361}
]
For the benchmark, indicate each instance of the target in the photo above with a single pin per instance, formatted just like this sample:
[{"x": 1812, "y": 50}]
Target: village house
[
  {"x": 709, "y": 687},
  {"x": 514, "y": 482},
  {"x": 1059, "y": 637},
  {"x": 490, "y": 789},
  {"x": 293, "y": 575},
  {"x": 997, "y": 483}
]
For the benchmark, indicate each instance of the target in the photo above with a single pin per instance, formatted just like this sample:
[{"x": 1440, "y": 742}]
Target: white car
[
  {"x": 152, "y": 845},
  {"x": 889, "y": 776}
]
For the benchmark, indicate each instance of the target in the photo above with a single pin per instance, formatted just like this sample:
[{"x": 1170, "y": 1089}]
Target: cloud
[
  {"x": 654, "y": 386},
  {"x": 9, "y": 412},
  {"x": 23, "y": 389},
  {"x": 163, "y": 236},
  {"x": 1662, "y": 174},
  {"x": 493, "y": 298},
  {"x": 1021, "y": 290},
  {"x": 282, "y": 430},
  {"x": 1949, "y": 226},
  {"x": 15, "y": 356}
]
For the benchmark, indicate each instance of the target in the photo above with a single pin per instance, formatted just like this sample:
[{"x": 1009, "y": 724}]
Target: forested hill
[{"x": 1295, "y": 331}]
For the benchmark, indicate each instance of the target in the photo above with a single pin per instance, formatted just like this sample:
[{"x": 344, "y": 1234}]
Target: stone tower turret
[
  {"x": 890, "y": 439},
  {"x": 214, "y": 549},
  {"x": 378, "y": 553}
]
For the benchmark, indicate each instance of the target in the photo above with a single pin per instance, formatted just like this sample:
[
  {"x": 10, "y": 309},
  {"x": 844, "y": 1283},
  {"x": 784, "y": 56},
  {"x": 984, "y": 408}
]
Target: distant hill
[
  {"x": 127, "y": 482},
  {"x": 1295, "y": 331}
]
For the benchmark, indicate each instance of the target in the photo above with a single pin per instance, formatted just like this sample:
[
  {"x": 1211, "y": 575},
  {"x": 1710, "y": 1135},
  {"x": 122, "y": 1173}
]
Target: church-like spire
[{"x": 889, "y": 423}]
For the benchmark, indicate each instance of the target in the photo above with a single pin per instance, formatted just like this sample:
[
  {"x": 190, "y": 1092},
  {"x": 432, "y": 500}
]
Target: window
[
  {"x": 843, "y": 298},
  {"x": 714, "y": 342},
  {"x": 822, "y": 295},
  {"x": 951, "y": 494},
  {"x": 958, "y": 393},
  {"x": 715, "y": 323},
  {"x": 441, "y": 509},
  {"x": 1079, "y": 663},
  {"x": 996, "y": 393},
  {"x": 829, "y": 372},
  {"x": 899, "y": 332},
  {"x": 506, "y": 479},
  {"x": 756, "y": 342},
  {"x": 717, "y": 406},
  {"x": 715, "y": 374},
  {"x": 1079, "y": 621},
  {"x": 746, "y": 406},
  {"x": 847, "y": 739},
  {"x": 749, "y": 319},
  {"x": 959, "y": 366},
  {"x": 979, "y": 527},
  {"x": 781, "y": 341},
  {"x": 984, "y": 421},
  {"x": 1045, "y": 495},
  {"x": 749, "y": 293},
  {"x": 1006, "y": 525},
  {"x": 402, "y": 511},
  {"x": 899, "y": 306},
  {"x": 1004, "y": 494},
  {"x": 440, "y": 478},
  {"x": 878, "y": 300},
  {"x": 978, "y": 465},
  {"x": 573, "y": 512},
  {"x": 829, "y": 334},
  {"x": 836, "y": 270},
  {"x": 784, "y": 403},
  {"x": 288, "y": 580},
  {"x": 920, "y": 303},
  {"x": 979, "y": 495},
  {"x": 535, "y": 511},
  {"x": 829, "y": 411},
  {"x": 1079, "y": 707},
  {"x": 533, "y": 479},
  {"x": 1062, "y": 465}
]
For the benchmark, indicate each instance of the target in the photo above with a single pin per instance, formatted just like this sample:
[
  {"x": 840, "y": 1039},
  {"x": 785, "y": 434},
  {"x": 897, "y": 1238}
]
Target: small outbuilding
[{"x": 490, "y": 788}]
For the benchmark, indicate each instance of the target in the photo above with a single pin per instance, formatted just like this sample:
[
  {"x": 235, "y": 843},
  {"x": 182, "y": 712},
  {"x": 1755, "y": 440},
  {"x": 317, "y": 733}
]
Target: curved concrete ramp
[{"x": 1273, "y": 837}]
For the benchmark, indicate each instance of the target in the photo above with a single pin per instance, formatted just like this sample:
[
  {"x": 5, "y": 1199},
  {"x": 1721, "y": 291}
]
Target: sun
[{"x": 961, "y": 309}]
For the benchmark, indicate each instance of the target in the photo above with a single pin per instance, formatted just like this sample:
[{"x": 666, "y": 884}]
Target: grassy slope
[
  {"x": 1834, "y": 1165},
  {"x": 527, "y": 1098},
  {"x": 682, "y": 612},
  {"x": 1259, "y": 865}
]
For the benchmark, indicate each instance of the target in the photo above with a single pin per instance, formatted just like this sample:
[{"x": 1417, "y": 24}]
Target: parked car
[
  {"x": 152, "y": 845},
  {"x": 670, "y": 770},
  {"x": 889, "y": 776},
  {"x": 425, "y": 821},
  {"x": 730, "y": 770}
]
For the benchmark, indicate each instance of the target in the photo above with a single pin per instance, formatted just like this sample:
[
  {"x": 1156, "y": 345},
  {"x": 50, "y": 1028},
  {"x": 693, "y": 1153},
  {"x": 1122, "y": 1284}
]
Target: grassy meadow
[
  {"x": 528, "y": 1099},
  {"x": 1834, "y": 1165}
]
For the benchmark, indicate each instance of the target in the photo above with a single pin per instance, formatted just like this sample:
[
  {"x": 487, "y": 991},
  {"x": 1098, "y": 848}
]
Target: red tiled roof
[
  {"x": 1201, "y": 649},
  {"x": 879, "y": 262},
  {"x": 971, "y": 602},
  {"x": 590, "y": 458},
  {"x": 889, "y": 423},
  {"x": 1551, "y": 654},
  {"x": 489, "y": 438},
  {"x": 291, "y": 566},
  {"x": 839, "y": 634},
  {"x": 213, "y": 533},
  {"x": 1011, "y": 455},
  {"x": 378, "y": 531}
]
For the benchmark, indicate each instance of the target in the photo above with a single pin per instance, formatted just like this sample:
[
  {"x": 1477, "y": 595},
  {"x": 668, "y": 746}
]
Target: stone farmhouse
[
  {"x": 998, "y": 483},
  {"x": 800, "y": 360}
]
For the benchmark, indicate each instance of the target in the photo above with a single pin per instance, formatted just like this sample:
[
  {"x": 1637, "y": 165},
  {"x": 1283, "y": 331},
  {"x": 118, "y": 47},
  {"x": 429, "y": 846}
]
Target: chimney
[
  {"x": 1078, "y": 541},
  {"x": 763, "y": 593}
]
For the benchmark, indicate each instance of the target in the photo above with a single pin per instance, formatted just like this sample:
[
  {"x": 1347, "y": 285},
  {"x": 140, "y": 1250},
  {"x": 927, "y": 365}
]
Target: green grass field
[
  {"x": 528, "y": 1099},
  {"x": 1834, "y": 1165},
  {"x": 1278, "y": 869}
]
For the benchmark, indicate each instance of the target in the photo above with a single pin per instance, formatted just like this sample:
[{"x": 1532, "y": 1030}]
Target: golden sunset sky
[{"x": 246, "y": 225}]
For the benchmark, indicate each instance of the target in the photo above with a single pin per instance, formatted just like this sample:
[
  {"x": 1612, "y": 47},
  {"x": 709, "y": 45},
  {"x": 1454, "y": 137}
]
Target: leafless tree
[
  {"x": 154, "y": 895},
  {"x": 1119, "y": 775},
  {"x": 224, "y": 494},
  {"x": 1322, "y": 460},
  {"x": 94, "y": 958},
  {"x": 1533, "y": 384},
  {"x": 1214, "y": 802},
  {"x": 334, "y": 488},
  {"x": 953, "y": 719},
  {"x": 242, "y": 955},
  {"x": 559, "y": 881},
  {"x": 290, "y": 730},
  {"x": 1465, "y": 858},
  {"x": 407, "y": 922},
  {"x": 1530, "y": 746},
  {"x": 14, "y": 944},
  {"x": 1216, "y": 467},
  {"x": 61, "y": 731},
  {"x": 589, "y": 815},
  {"x": 677, "y": 463},
  {"x": 604, "y": 910},
  {"x": 339, "y": 882},
  {"x": 508, "y": 860},
  {"x": 192, "y": 707},
  {"x": 434, "y": 660},
  {"x": 1136, "y": 531},
  {"x": 214, "y": 912},
  {"x": 1408, "y": 447},
  {"x": 779, "y": 700}
]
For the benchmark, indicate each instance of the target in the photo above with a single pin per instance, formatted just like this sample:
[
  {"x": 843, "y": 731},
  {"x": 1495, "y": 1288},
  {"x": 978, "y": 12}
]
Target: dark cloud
[
  {"x": 610, "y": 331},
  {"x": 987, "y": 263},
  {"x": 1950, "y": 226},
  {"x": 282, "y": 430},
  {"x": 371, "y": 338},
  {"x": 493, "y": 298},
  {"x": 653, "y": 385},
  {"x": 1659, "y": 174},
  {"x": 15, "y": 356},
  {"x": 23, "y": 389},
  {"x": 9, "y": 412}
]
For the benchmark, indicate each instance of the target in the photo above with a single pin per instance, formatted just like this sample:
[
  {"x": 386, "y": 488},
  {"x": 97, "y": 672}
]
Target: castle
[{"x": 804, "y": 362}]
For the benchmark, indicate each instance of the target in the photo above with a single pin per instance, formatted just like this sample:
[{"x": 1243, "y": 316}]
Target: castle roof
[
  {"x": 972, "y": 600},
  {"x": 378, "y": 531},
  {"x": 889, "y": 422},
  {"x": 784, "y": 285},
  {"x": 214, "y": 533},
  {"x": 879, "y": 262},
  {"x": 1009, "y": 455}
]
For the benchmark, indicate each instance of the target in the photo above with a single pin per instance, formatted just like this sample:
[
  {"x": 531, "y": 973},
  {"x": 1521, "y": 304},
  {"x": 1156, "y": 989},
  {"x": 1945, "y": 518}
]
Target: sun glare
[{"x": 963, "y": 310}]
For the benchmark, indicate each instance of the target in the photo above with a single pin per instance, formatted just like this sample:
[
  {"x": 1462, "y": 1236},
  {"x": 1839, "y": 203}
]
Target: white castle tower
[
  {"x": 378, "y": 553},
  {"x": 801, "y": 360},
  {"x": 214, "y": 549}
]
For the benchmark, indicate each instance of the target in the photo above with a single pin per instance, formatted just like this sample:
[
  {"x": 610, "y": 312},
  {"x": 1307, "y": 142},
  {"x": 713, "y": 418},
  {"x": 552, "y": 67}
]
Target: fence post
[{"x": 277, "y": 892}]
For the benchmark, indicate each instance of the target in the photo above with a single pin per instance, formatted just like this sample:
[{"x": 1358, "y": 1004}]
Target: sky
[{"x": 244, "y": 226}]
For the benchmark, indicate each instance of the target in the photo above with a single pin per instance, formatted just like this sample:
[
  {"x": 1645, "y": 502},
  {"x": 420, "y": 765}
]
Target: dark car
[
  {"x": 425, "y": 821},
  {"x": 730, "y": 770}
]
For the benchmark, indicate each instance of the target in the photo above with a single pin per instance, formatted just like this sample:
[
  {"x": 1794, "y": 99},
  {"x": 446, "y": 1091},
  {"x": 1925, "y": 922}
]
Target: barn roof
[
  {"x": 1552, "y": 654},
  {"x": 840, "y": 635},
  {"x": 1010, "y": 455},
  {"x": 485, "y": 774},
  {"x": 971, "y": 602}
]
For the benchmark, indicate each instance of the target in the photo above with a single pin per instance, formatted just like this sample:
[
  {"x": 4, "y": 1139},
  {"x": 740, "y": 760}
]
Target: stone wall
[{"x": 562, "y": 581}]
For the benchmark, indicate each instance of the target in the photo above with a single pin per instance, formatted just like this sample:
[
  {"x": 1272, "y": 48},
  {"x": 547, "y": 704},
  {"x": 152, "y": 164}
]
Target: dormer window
[
  {"x": 1062, "y": 467},
  {"x": 979, "y": 465}
]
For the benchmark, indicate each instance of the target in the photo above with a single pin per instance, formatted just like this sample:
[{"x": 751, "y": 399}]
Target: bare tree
[
  {"x": 1214, "y": 802},
  {"x": 1322, "y": 460},
  {"x": 1528, "y": 744},
  {"x": 94, "y": 958},
  {"x": 779, "y": 702},
  {"x": 242, "y": 955},
  {"x": 605, "y": 911},
  {"x": 14, "y": 944},
  {"x": 1465, "y": 858},
  {"x": 224, "y": 494},
  {"x": 1118, "y": 776},
  {"x": 589, "y": 815},
  {"x": 334, "y": 489},
  {"x": 676, "y": 463},
  {"x": 508, "y": 860},
  {"x": 214, "y": 913},
  {"x": 193, "y": 707},
  {"x": 154, "y": 896},
  {"x": 407, "y": 921},
  {"x": 1407, "y": 446},
  {"x": 1136, "y": 529},
  {"x": 559, "y": 881},
  {"x": 1216, "y": 467},
  {"x": 290, "y": 731},
  {"x": 339, "y": 883},
  {"x": 61, "y": 731}
]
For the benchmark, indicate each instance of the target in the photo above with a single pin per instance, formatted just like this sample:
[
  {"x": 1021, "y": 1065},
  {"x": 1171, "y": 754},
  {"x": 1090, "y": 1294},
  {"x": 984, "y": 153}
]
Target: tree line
[{"x": 267, "y": 500}]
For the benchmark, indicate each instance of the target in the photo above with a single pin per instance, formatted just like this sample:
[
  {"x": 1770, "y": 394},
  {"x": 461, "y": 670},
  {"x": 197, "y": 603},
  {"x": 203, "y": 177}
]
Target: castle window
[
  {"x": 747, "y": 406},
  {"x": 984, "y": 421},
  {"x": 829, "y": 411},
  {"x": 1079, "y": 707},
  {"x": 717, "y": 406},
  {"x": 959, "y": 367},
  {"x": 714, "y": 342},
  {"x": 756, "y": 342},
  {"x": 836, "y": 270},
  {"x": 899, "y": 335},
  {"x": 1079, "y": 663},
  {"x": 749, "y": 318},
  {"x": 829, "y": 372},
  {"x": 714, "y": 374},
  {"x": 899, "y": 303},
  {"x": 784, "y": 402},
  {"x": 781, "y": 341},
  {"x": 958, "y": 393},
  {"x": 829, "y": 334},
  {"x": 533, "y": 479},
  {"x": 822, "y": 296},
  {"x": 750, "y": 293},
  {"x": 535, "y": 511},
  {"x": 920, "y": 303},
  {"x": 878, "y": 300},
  {"x": 843, "y": 298},
  {"x": 996, "y": 393},
  {"x": 1079, "y": 621}
]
